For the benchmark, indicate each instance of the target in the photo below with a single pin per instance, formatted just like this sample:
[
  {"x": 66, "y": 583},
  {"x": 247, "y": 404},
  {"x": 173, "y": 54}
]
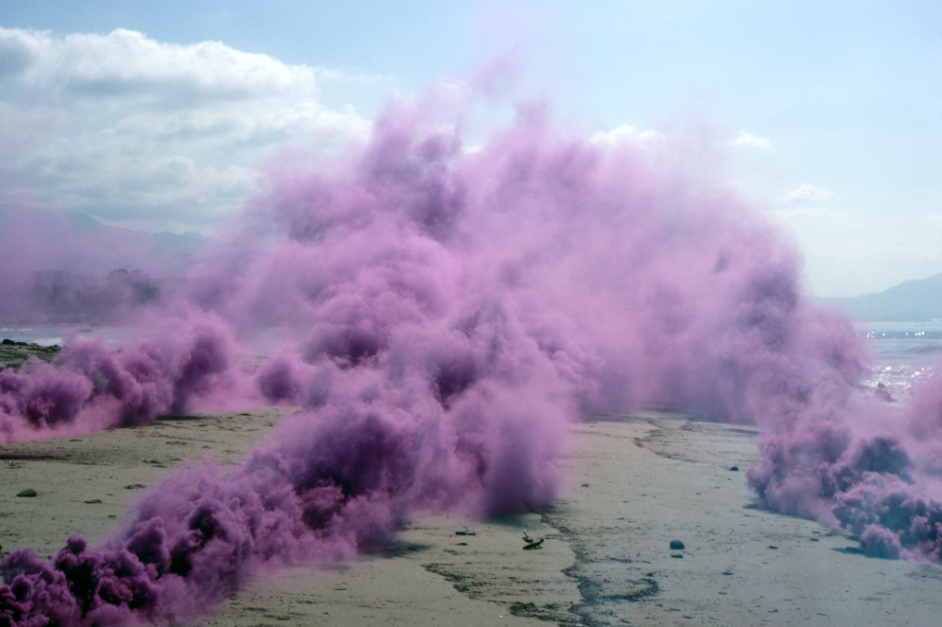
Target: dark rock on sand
[
  {"x": 677, "y": 545},
  {"x": 27, "y": 492}
]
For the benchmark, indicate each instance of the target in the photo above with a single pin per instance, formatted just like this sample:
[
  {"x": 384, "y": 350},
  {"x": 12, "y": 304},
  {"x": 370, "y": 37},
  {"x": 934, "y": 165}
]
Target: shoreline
[{"x": 631, "y": 485}]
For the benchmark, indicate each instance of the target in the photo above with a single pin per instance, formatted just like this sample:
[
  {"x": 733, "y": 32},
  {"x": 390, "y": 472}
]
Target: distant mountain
[
  {"x": 37, "y": 240},
  {"x": 60, "y": 268},
  {"x": 910, "y": 300}
]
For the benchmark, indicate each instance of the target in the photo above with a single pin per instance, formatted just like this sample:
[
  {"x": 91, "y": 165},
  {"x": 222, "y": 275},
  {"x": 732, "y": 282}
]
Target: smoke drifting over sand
[{"x": 440, "y": 315}]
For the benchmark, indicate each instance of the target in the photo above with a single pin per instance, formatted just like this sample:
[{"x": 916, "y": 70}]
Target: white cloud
[
  {"x": 805, "y": 193},
  {"x": 814, "y": 214},
  {"x": 155, "y": 133},
  {"x": 626, "y": 134},
  {"x": 124, "y": 63},
  {"x": 748, "y": 140}
]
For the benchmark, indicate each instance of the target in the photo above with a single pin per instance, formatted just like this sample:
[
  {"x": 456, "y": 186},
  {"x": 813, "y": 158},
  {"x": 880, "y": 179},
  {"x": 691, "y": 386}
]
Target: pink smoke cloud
[{"x": 440, "y": 317}]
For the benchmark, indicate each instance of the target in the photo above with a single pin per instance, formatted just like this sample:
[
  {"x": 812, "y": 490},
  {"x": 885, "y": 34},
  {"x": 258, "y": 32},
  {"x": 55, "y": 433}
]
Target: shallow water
[{"x": 905, "y": 353}]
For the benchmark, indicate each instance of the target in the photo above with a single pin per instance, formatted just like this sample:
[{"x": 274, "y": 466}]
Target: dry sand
[{"x": 631, "y": 486}]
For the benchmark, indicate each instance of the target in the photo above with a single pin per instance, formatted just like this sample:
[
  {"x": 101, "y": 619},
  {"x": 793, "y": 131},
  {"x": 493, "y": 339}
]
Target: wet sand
[{"x": 631, "y": 486}]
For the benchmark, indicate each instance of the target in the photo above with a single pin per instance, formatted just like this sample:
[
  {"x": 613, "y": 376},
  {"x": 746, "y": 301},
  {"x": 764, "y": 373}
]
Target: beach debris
[
  {"x": 530, "y": 543},
  {"x": 677, "y": 545},
  {"x": 464, "y": 531},
  {"x": 734, "y": 468},
  {"x": 92, "y": 501},
  {"x": 135, "y": 486},
  {"x": 27, "y": 492}
]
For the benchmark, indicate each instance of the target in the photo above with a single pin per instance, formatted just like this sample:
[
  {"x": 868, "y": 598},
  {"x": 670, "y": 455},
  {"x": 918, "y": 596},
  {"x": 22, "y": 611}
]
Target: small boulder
[
  {"x": 677, "y": 545},
  {"x": 26, "y": 492}
]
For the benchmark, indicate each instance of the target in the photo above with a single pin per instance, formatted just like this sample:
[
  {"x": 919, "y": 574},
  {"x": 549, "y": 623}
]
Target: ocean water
[{"x": 904, "y": 355}]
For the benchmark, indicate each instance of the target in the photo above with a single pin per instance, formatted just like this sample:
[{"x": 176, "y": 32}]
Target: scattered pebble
[
  {"x": 727, "y": 572},
  {"x": 93, "y": 501},
  {"x": 135, "y": 486},
  {"x": 773, "y": 547},
  {"x": 27, "y": 492},
  {"x": 677, "y": 545},
  {"x": 814, "y": 539},
  {"x": 734, "y": 468},
  {"x": 585, "y": 485},
  {"x": 679, "y": 556},
  {"x": 464, "y": 531}
]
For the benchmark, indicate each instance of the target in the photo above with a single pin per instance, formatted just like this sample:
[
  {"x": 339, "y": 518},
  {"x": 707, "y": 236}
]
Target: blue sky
[{"x": 827, "y": 112}]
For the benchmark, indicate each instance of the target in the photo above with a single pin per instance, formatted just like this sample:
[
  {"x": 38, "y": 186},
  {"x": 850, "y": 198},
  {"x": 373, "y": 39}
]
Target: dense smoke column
[
  {"x": 89, "y": 387},
  {"x": 456, "y": 309}
]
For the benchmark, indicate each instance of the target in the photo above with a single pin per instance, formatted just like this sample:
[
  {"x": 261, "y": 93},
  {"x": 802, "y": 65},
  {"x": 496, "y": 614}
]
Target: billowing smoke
[
  {"x": 188, "y": 360},
  {"x": 440, "y": 313}
]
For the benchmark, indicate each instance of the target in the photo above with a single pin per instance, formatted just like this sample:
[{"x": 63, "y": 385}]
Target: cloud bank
[{"x": 151, "y": 134}]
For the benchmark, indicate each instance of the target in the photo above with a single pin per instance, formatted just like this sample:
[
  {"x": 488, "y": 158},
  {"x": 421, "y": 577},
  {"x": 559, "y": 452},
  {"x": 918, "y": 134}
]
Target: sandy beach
[{"x": 632, "y": 485}]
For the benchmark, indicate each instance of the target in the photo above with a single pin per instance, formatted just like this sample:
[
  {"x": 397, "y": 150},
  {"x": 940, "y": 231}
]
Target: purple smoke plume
[
  {"x": 440, "y": 314},
  {"x": 89, "y": 387}
]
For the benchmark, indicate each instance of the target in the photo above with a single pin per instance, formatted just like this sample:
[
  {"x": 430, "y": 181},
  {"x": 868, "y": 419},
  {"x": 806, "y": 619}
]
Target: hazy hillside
[
  {"x": 910, "y": 300},
  {"x": 38, "y": 240}
]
